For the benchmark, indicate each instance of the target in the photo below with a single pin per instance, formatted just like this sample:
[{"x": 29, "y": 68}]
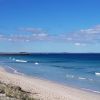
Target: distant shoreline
[{"x": 28, "y": 53}]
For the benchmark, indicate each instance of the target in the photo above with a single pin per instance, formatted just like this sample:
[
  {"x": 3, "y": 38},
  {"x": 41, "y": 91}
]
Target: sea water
[{"x": 77, "y": 70}]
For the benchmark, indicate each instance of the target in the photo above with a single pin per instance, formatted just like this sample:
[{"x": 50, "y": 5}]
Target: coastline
[
  {"x": 46, "y": 90},
  {"x": 15, "y": 71}
]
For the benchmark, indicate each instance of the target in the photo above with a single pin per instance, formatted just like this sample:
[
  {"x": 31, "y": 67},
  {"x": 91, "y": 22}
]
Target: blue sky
[{"x": 50, "y": 25}]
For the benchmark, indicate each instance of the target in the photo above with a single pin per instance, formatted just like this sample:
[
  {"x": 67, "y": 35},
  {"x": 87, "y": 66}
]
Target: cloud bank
[{"x": 81, "y": 37}]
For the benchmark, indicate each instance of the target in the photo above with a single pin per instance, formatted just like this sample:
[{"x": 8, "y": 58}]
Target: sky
[{"x": 50, "y": 26}]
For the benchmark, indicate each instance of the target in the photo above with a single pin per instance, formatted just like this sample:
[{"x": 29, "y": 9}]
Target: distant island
[{"x": 28, "y": 53}]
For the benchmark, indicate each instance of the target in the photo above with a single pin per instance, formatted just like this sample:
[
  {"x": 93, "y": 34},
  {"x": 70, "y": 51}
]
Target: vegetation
[{"x": 14, "y": 92}]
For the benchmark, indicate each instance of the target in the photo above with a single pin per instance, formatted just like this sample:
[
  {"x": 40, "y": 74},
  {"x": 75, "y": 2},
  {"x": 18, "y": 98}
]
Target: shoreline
[
  {"x": 46, "y": 90},
  {"x": 14, "y": 71}
]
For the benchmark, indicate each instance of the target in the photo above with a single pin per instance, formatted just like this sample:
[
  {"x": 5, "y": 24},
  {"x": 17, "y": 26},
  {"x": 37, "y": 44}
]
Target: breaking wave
[
  {"x": 17, "y": 60},
  {"x": 97, "y": 73}
]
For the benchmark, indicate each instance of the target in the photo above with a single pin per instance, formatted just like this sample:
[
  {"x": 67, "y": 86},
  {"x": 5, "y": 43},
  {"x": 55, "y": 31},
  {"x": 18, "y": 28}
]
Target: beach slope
[{"x": 46, "y": 90}]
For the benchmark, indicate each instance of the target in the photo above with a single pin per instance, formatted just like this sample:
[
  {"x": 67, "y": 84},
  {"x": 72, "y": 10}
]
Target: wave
[
  {"x": 90, "y": 79},
  {"x": 79, "y": 77},
  {"x": 70, "y": 76},
  {"x": 15, "y": 71},
  {"x": 23, "y": 61},
  {"x": 97, "y": 73},
  {"x": 17, "y": 60},
  {"x": 82, "y": 78},
  {"x": 91, "y": 90},
  {"x": 36, "y": 63}
]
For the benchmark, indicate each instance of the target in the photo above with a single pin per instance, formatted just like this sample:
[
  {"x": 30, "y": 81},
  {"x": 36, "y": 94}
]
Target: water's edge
[{"x": 14, "y": 71}]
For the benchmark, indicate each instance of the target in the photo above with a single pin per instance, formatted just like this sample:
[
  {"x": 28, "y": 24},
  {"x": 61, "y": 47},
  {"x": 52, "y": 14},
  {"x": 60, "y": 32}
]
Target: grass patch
[{"x": 15, "y": 92}]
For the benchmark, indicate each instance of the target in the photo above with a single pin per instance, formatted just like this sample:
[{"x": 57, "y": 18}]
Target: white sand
[{"x": 46, "y": 90}]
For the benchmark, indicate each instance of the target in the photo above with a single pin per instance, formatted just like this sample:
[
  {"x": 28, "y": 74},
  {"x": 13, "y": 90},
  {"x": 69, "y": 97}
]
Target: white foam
[
  {"x": 70, "y": 76},
  {"x": 17, "y": 60},
  {"x": 11, "y": 68},
  {"x": 81, "y": 78},
  {"x": 97, "y": 73},
  {"x": 15, "y": 71},
  {"x": 91, "y": 90},
  {"x": 90, "y": 79},
  {"x": 36, "y": 63}
]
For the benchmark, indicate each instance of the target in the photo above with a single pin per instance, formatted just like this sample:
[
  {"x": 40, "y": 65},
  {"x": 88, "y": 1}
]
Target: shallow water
[{"x": 78, "y": 70}]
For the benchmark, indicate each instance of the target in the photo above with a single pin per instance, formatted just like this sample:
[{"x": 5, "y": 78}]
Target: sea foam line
[
  {"x": 82, "y": 78},
  {"x": 69, "y": 76},
  {"x": 15, "y": 71},
  {"x": 97, "y": 73},
  {"x": 17, "y": 60},
  {"x": 79, "y": 78},
  {"x": 91, "y": 90}
]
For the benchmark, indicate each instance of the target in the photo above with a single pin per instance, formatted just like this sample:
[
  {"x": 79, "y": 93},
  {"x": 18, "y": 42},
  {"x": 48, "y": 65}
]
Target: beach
[{"x": 44, "y": 89}]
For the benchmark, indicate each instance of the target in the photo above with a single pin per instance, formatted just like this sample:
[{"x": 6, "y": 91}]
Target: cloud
[
  {"x": 87, "y": 36},
  {"x": 94, "y": 30},
  {"x": 25, "y": 34},
  {"x": 78, "y": 38},
  {"x": 79, "y": 44},
  {"x": 32, "y": 30}
]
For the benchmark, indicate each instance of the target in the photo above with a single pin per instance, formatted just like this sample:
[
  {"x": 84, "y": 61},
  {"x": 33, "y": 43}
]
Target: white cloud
[
  {"x": 42, "y": 35},
  {"x": 94, "y": 30},
  {"x": 91, "y": 35},
  {"x": 32, "y": 30},
  {"x": 79, "y": 38},
  {"x": 77, "y": 44}
]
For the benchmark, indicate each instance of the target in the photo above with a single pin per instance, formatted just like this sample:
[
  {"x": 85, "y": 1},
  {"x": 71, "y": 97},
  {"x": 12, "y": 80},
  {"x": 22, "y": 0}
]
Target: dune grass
[{"x": 15, "y": 92}]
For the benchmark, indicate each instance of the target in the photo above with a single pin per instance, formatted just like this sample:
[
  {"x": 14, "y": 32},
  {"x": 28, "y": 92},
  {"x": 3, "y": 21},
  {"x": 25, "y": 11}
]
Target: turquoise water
[{"x": 78, "y": 70}]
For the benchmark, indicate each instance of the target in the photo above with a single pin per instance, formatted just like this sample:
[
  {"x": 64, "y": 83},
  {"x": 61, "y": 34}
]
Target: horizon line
[{"x": 49, "y": 53}]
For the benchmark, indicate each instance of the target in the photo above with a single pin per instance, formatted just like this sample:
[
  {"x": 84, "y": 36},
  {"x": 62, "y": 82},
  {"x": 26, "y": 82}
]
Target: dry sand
[{"x": 46, "y": 90}]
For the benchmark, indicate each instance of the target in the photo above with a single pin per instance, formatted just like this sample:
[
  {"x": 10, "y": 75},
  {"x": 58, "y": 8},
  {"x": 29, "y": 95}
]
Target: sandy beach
[{"x": 46, "y": 90}]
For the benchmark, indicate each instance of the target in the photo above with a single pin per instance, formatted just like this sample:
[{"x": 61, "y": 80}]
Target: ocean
[{"x": 76, "y": 70}]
